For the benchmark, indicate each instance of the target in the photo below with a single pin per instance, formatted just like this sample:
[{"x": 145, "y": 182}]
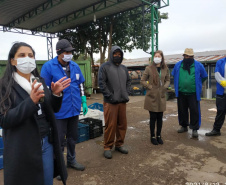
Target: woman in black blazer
[{"x": 32, "y": 154}]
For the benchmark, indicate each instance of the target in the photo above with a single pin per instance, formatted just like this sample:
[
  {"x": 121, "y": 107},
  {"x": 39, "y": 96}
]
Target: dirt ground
[{"x": 180, "y": 160}]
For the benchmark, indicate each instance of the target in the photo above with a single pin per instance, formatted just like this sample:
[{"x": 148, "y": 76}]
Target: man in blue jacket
[
  {"x": 189, "y": 75},
  {"x": 114, "y": 83},
  {"x": 67, "y": 117},
  {"x": 220, "y": 77}
]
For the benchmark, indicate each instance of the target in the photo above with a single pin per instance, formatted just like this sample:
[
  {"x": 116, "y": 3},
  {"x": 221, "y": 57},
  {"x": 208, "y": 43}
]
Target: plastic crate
[
  {"x": 1, "y": 161},
  {"x": 137, "y": 92},
  {"x": 83, "y": 132},
  {"x": 1, "y": 142},
  {"x": 95, "y": 127},
  {"x": 96, "y": 132},
  {"x": 1, "y": 153}
]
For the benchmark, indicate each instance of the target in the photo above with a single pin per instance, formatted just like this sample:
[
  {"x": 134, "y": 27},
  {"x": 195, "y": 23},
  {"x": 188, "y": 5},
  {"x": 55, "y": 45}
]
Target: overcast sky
[{"x": 197, "y": 24}]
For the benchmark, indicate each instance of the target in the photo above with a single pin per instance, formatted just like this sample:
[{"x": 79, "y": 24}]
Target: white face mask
[
  {"x": 157, "y": 60},
  {"x": 26, "y": 65},
  {"x": 67, "y": 58}
]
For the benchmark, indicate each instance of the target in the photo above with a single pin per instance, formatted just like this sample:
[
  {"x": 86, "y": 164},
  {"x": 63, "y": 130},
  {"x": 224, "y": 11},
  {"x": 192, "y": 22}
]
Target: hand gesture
[
  {"x": 36, "y": 93},
  {"x": 60, "y": 85}
]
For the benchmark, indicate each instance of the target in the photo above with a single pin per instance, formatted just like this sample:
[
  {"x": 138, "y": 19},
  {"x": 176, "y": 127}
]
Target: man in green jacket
[{"x": 189, "y": 75}]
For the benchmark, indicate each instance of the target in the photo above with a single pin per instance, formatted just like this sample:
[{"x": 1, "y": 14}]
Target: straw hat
[{"x": 189, "y": 52}]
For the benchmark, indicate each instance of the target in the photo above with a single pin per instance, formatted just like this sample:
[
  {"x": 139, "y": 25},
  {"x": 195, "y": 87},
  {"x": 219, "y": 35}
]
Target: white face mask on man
[
  {"x": 26, "y": 65},
  {"x": 157, "y": 60},
  {"x": 67, "y": 58}
]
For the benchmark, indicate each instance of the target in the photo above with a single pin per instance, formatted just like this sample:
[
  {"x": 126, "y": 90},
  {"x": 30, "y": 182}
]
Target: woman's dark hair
[
  {"x": 153, "y": 67},
  {"x": 7, "y": 81}
]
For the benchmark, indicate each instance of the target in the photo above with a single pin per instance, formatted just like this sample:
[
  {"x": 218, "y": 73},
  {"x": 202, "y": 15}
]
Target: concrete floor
[{"x": 180, "y": 160}]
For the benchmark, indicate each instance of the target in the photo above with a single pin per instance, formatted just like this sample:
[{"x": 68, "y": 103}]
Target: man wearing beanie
[
  {"x": 114, "y": 83},
  {"x": 68, "y": 116},
  {"x": 189, "y": 75}
]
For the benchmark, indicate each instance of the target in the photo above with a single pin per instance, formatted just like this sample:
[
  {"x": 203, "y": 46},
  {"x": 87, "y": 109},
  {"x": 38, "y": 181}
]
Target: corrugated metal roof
[
  {"x": 208, "y": 56},
  {"x": 11, "y": 10}
]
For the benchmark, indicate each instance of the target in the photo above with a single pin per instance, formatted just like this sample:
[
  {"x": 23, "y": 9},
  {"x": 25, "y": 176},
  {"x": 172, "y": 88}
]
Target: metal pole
[
  {"x": 209, "y": 76},
  {"x": 208, "y": 69},
  {"x": 154, "y": 30},
  {"x": 49, "y": 48}
]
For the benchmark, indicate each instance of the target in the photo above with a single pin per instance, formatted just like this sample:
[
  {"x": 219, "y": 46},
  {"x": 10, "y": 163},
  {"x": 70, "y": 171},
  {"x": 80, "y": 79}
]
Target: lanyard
[{"x": 160, "y": 74}]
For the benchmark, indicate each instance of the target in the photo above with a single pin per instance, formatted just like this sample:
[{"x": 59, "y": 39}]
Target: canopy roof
[{"x": 53, "y": 16}]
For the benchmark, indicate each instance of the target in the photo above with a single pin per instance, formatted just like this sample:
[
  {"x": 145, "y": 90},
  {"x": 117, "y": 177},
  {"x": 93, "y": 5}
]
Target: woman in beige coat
[{"x": 156, "y": 80}]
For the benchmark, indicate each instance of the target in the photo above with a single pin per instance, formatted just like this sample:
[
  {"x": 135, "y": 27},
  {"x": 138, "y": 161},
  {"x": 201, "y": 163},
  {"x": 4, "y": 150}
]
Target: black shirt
[{"x": 43, "y": 123}]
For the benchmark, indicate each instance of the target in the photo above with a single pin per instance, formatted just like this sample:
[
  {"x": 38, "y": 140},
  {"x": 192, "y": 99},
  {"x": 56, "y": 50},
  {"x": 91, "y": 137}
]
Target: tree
[{"x": 129, "y": 30}]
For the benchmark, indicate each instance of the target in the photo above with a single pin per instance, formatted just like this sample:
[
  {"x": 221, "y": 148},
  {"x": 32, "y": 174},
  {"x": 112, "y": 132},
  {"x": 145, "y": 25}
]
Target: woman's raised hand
[
  {"x": 60, "y": 85},
  {"x": 36, "y": 93}
]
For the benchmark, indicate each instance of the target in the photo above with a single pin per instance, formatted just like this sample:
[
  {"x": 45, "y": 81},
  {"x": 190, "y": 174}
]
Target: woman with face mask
[
  {"x": 32, "y": 153},
  {"x": 156, "y": 80}
]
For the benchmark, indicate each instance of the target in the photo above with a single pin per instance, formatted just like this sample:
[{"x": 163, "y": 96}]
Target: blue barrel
[{"x": 1, "y": 153}]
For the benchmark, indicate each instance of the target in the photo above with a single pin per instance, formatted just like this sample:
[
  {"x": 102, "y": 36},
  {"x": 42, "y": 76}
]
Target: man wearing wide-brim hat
[{"x": 189, "y": 75}]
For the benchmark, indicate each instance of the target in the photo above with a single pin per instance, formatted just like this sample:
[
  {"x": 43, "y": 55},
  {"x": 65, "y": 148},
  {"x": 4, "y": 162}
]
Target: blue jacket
[
  {"x": 200, "y": 73},
  {"x": 52, "y": 71},
  {"x": 220, "y": 67}
]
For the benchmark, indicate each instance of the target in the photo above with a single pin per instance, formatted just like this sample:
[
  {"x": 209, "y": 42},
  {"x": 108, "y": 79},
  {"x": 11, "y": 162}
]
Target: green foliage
[{"x": 130, "y": 30}]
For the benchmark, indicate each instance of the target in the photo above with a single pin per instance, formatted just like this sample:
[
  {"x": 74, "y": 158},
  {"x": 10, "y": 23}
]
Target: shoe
[
  {"x": 58, "y": 178},
  {"x": 76, "y": 166},
  {"x": 213, "y": 133},
  {"x": 107, "y": 154},
  {"x": 159, "y": 140},
  {"x": 182, "y": 129},
  {"x": 154, "y": 141},
  {"x": 195, "y": 134},
  {"x": 122, "y": 150}
]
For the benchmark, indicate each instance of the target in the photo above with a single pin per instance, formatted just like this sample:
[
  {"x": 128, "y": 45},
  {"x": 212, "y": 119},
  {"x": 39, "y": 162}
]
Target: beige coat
[{"x": 155, "y": 99}]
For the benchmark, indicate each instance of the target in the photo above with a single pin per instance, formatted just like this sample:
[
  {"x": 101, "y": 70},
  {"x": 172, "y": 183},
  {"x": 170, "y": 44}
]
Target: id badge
[
  {"x": 40, "y": 110},
  {"x": 77, "y": 76}
]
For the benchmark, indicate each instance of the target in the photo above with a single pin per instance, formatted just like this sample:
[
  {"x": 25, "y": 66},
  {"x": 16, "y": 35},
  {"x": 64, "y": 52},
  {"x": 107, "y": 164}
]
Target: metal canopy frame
[
  {"x": 89, "y": 10},
  {"x": 92, "y": 9}
]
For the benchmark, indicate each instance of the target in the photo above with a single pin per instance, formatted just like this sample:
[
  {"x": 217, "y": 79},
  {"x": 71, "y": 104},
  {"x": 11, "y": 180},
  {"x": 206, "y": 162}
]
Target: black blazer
[{"x": 22, "y": 142}]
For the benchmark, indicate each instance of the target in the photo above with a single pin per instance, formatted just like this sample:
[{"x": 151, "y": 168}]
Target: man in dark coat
[{"x": 114, "y": 83}]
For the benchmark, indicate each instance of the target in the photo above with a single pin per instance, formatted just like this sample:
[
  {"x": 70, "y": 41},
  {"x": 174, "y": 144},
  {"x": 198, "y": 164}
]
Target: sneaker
[
  {"x": 58, "y": 178},
  {"x": 122, "y": 150},
  {"x": 76, "y": 166},
  {"x": 107, "y": 154},
  {"x": 182, "y": 129},
  {"x": 154, "y": 141},
  {"x": 159, "y": 140},
  {"x": 213, "y": 133},
  {"x": 195, "y": 133}
]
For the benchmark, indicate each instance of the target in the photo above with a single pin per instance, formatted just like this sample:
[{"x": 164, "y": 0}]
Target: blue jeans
[{"x": 47, "y": 160}]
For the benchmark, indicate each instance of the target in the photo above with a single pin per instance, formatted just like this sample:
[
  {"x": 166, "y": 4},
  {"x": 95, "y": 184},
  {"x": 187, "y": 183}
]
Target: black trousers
[
  {"x": 155, "y": 116},
  {"x": 68, "y": 127},
  {"x": 221, "y": 111},
  {"x": 189, "y": 103}
]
